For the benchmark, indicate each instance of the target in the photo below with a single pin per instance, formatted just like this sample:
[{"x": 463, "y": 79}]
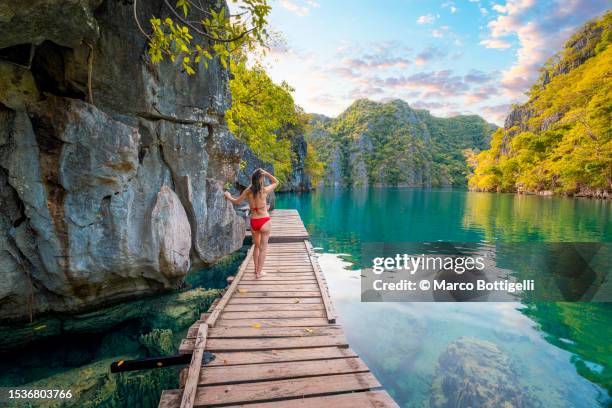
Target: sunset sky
[{"x": 450, "y": 57}]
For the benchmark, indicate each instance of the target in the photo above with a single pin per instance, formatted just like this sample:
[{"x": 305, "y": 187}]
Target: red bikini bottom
[{"x": 257, "y": 223}]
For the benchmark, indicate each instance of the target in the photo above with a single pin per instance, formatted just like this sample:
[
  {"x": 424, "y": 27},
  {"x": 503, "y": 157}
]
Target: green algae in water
[{"x": 79, "y": 360}]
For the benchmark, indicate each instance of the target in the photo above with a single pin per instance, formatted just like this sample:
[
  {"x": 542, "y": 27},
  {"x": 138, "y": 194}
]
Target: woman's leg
[
  {"x": 256, "y": 251},
  {"x": 265, "y": 234}
]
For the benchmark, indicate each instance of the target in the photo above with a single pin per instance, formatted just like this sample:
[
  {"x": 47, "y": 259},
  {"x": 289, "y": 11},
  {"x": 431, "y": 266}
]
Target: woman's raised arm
[
  {"x": 273, "y": 180},
  {"x": 238, "y": 199}
]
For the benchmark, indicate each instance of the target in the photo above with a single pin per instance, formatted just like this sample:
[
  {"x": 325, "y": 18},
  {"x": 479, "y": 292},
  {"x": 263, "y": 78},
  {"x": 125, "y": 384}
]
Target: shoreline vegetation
[{"x": 560, "y": 140}]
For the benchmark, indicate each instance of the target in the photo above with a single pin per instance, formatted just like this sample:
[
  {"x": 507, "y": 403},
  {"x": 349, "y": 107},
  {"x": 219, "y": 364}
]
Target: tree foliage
[
  {"x": 195, "y": 33},
  {"x": 265, "y": 116},
  {"x": 563, "y": 143}
]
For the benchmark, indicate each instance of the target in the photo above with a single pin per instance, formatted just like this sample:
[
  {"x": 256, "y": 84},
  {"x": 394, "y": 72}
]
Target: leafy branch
[{"x": 219, "y": 33}]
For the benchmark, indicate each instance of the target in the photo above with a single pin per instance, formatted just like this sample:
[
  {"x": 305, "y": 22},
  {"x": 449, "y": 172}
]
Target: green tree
[
  {"x": 264, "y": 115},
  {"x": 566, "y": 144},
  {"x": 217, "y": 32}
]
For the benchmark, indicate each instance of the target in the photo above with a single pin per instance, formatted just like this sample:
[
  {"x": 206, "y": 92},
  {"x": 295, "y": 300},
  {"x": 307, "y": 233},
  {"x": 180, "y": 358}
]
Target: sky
[{"x": 450, "y": 57}]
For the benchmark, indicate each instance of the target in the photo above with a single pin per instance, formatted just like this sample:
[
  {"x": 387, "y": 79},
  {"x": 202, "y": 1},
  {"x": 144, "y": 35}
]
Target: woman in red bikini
[{"x": 256, "y": 194}]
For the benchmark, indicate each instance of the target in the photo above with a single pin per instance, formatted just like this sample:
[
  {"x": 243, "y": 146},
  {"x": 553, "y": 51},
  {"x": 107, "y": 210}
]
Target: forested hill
[
  {"x": 375, "y": 143},
  {"x": 560, "y": 140}
]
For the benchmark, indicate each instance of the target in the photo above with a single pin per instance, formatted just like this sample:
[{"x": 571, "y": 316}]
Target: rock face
[
  {"x": 390, "y": 143},
  {"x": 475, "y": 373},
  {"x": 298, "y": 180},
  {"x": 111, "y": 200}
]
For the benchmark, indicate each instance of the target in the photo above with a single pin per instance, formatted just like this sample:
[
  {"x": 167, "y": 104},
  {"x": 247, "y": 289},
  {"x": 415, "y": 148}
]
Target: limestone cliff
[
  {"x": 375, "y": 143},
  {"x": 113, "y": 199}
]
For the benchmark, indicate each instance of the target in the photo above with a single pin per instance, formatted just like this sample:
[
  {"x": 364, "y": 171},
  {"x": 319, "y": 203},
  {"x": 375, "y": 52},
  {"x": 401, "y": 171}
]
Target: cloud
[
  {"x": 479, "y": 77},
  {"x": 428, "y": 54},
  {"x": 540, "y": 30},
  {"x": 378, "y": 56},
  {"x": 496, "y": 113},
  {"x": 481, "y": 94},
  {"x": 453, "y": 9},
  {"x": 302, "y": 9},
  {"x": 435, "y": 84},
  {"x": 426, "y": 19},
  {"x": 483, "y": 11},
  {"x": 495, "y": 43},
  {"x": 437, "y": 33}
]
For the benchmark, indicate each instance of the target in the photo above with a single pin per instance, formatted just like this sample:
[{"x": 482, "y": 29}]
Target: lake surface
[{"x": 555, "y": 354}]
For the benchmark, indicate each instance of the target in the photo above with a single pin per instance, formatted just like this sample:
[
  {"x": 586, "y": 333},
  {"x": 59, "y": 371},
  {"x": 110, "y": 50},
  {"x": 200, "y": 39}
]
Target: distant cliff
[
  {"x": 117, "y": 198},
  {"x": 560, "y": 140},
  {"x": 374, "y": 143}
]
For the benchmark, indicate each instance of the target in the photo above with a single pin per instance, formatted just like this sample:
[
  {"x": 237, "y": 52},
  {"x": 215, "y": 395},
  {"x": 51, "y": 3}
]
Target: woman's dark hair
[{"x": 256, "y": 182}]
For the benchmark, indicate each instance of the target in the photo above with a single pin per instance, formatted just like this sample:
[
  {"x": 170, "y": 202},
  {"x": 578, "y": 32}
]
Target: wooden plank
[
  {"x": 189, "y": 393},
  {"x": 212, "y": 319},
  {"x": 281, "y": 389},
  {"x": 273, "y": 343},
  {"x": 269, "y": 356},
  {"x": 247, "y": 332},
  {"x": 273, "y": 314},
  {"x": 286, "y": 281},
  {"x": 331, "y": 313},
  {"x": 277, "y": 288},
  {"x": 280, "y": 371},
  {"x": 301, "y": 322},
  {"x": 275, "y": 300},
  {"x": 288, "y": 294},
  {"x": 273, "y": 307},
  {"x": 364, "y": 399}
]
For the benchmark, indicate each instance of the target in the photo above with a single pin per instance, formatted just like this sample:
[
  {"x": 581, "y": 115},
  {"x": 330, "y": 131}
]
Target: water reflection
[{"x": 541, "y": 354}]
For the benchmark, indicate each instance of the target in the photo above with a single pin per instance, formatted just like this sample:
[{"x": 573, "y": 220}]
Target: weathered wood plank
[
  {"x": 273, "y": 343},
  {"x": 273, "y": 314},
  {"x": 364, "y": 399},
  {"x": 214, "y": 315},
  {"x": 331, "y": 313},
  {"x": 288, "y": 294},
  {"x": 303, "y": 321},
  {"x": 279, "y": 282},
  {"x": 277, "y": 288},
  {"x": 189, "y": 392},
  {"x": 247, "y": 332},
  {"x": 269, "y": 356},
  {"x": 279, "y": 389},
  {"x": 273, "y": 307},
  {"x": 275, "y": 300},
  {"x": 280, "y": 371}
]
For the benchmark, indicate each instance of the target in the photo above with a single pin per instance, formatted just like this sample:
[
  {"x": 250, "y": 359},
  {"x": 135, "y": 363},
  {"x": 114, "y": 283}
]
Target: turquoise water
[{"x": 543, "y": 354}]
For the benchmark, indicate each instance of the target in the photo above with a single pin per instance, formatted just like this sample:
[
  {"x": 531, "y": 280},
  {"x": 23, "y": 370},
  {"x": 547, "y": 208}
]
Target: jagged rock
[
  {"x": 475, "y": 373},
  {"x": 298, "y": 180},
  {"x": 172, "y": 233},
  {"x": 65, "y": 22},
  {"x": 112, "y": 200}
]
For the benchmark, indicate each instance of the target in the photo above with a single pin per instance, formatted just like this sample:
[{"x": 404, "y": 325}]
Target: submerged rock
[{"x": 475, "y": 373}]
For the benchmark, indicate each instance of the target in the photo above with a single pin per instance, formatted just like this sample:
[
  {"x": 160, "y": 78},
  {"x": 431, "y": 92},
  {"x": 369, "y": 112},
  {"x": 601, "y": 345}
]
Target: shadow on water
[{"x": 546, "y": 354}]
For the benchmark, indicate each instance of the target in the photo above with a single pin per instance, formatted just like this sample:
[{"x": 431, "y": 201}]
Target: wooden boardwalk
[{"x": 274, "y": 340}]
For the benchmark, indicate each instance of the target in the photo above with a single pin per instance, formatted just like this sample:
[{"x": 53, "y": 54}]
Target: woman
[{"x": 256, "y": 194}]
